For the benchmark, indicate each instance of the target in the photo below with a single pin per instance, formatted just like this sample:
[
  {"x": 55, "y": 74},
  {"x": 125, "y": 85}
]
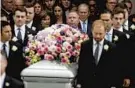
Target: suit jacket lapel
[
  {"x": 113, "y": 36},
  {"x": 7, "y": 82},
  {"x": 13, "y": 31},
  {"x": 88, "y": 27},
  {"x": 10, "y": 49},
  {"x": 26, "y": 32}
]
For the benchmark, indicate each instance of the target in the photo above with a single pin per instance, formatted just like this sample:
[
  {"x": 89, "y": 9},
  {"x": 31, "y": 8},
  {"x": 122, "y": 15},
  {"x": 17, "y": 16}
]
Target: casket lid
[{"x": 49, "y": 69}]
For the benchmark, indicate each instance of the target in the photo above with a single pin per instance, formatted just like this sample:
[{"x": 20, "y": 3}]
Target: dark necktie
[
  {"x": 96, "y": 53},
  {"x": 19, "y": 35},
  {"x": 4, "y": 49}
]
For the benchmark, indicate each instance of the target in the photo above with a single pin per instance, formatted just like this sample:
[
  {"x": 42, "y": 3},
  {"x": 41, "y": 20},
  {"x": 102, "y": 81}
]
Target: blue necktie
[
  {"x": 108, "y": 36},
  {"x": 84, "y": 28}
]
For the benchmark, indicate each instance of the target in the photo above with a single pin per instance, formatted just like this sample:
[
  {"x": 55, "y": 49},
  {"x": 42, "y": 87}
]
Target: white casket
[{"x": 46, "y": 74}]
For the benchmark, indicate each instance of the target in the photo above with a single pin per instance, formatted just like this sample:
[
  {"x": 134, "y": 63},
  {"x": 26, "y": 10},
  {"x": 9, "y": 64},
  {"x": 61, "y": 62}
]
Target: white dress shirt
[
  {"x": 126, "y": 25},
  {"x": 86, "y": 23},
  {"x": 110, "y": 34},
  {"x": 23, "y": 30},
  {"x": 7, "y": 47},
  {"x": 100, "y": 48},
  {"x": 119, "y": 29},
  {"x": 2, "y": 78},
  {"x": 29, "y": 25}
]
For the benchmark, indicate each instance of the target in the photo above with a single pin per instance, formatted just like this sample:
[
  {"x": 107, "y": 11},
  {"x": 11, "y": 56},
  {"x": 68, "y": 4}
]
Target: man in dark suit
[
  {"x": 124, "y": 49},
  {"x": 13, "y": 52},
  {"x": 7, "y": 9},
  {"x": 98, "y": 66},
  {"x": 118, "y": 18},
  {"x": 112, "y": 35},
  {"x": 5, "y": 80},
  {"x": 127, "y": 25},
  {"x": 20, "y": 30},
  {"x": 85, "y": 23},
  {"x": 119, "y": 38},
  {"x": 30, "y": 22}
]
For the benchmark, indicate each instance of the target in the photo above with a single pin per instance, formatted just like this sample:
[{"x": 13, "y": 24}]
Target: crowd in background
[{"x": 19, "y": 18}]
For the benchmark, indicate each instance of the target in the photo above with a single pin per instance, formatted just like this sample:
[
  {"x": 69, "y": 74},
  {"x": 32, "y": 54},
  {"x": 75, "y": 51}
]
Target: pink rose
[
  {"x": 40, "y": 52},
  {"x": 69, "y": 48},
  {"x": 48, "y": 57},
  {"x": 77, "y": 46},
  {"x": 75, "y": 53},
  {"x": 68, "y": 54},
  {"x": 58, "y": 49},
  {"x": 64, "y": 60}
]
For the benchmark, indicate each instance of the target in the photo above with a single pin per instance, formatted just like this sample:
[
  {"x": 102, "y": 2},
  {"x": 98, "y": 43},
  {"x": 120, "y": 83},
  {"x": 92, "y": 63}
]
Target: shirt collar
[
  {"x": 86, "y": 21},
  {"x": 126, "y": 23},
  {"x": 120, "y": 29},
  {"x": 2, "y": 78},
  {"x": 111, "y": 31},
  {"x": 30, "y": 24},
  {"x": 22, "y": 27},
  {"x": 100, "y": 43},
  {"x": 1, "y": 44}
]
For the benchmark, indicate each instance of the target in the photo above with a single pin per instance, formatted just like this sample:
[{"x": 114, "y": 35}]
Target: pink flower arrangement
[{"x": 58, "y": 42}]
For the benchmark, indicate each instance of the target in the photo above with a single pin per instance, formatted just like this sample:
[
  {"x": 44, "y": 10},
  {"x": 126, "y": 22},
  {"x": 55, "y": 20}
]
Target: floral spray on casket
[{"x": 60, "y": 43}]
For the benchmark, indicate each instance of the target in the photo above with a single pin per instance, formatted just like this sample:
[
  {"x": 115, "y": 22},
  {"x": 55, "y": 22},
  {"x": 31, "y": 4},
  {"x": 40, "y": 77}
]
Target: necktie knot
[
  {"x": 4, "y": 45},
  {"x": 97, "y": 42}
]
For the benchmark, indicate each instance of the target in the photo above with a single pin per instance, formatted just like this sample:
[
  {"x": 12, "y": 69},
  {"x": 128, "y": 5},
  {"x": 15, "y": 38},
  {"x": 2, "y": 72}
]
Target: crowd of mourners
[{"x": 19, "y": 18}]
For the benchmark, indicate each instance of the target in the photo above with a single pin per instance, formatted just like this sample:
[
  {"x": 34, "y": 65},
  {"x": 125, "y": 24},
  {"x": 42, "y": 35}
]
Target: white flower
[
  {"x": 33, "y": 28},
  {"x": 27, "y": 50},
  {"x": 14, "y": 39},
  {"x": 30, "y": 36},
  {"x": 78, "y": 85},
  {"x": 7, "y": 84},
  {"x": 14, "y": 48},
  {"x": 128, "y": 36},
  {"x": 106, "y": 47},
  {"x": 115, "y": 38},
  {"x": 132, "y": 27}
]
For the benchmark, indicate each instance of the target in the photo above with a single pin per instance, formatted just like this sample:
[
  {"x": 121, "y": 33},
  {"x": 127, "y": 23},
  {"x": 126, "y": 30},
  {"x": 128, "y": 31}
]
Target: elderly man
[
  {"x": 73, "y": 19},
  {"x": 85, "y": 23}
]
